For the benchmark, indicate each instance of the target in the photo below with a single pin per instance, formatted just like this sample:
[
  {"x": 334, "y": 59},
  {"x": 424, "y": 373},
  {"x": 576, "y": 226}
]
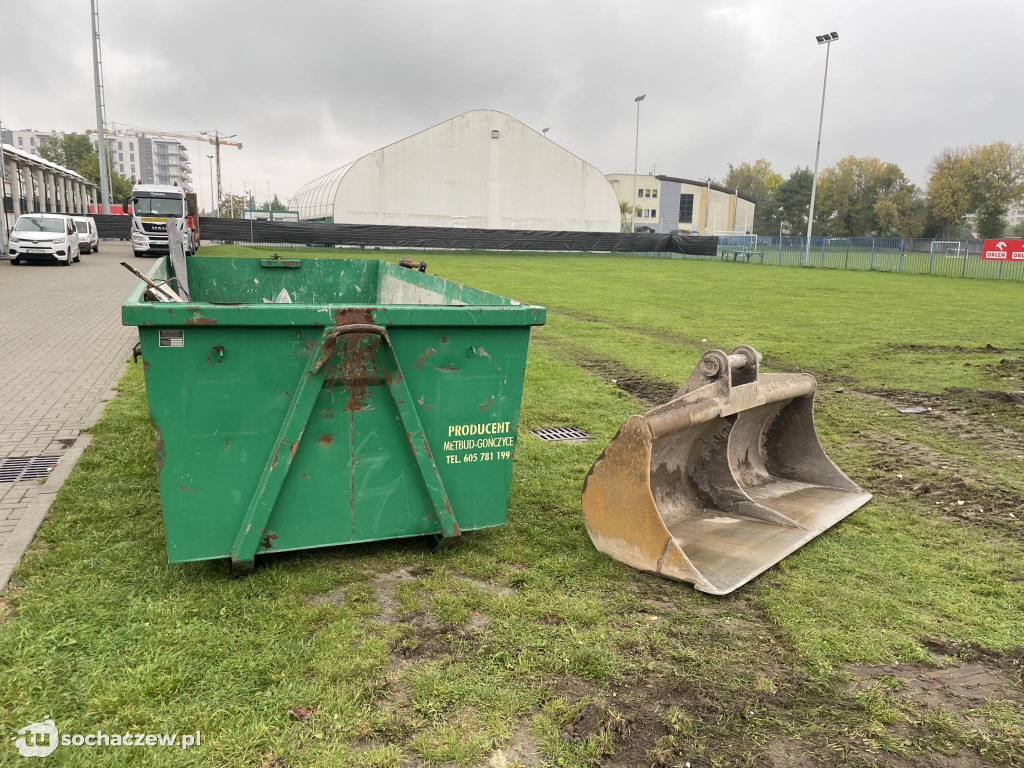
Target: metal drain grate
[
  {"x": 14, "y": 469},
  {"x": 561, "y": 434}
]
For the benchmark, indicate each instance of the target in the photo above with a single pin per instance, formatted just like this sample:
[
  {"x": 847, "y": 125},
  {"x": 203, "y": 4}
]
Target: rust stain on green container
[{"x": 370, "y": 443}]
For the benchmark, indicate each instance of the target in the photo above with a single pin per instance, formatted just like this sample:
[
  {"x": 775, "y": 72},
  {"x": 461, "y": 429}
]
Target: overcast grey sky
[{"x": 309, "y": 85}]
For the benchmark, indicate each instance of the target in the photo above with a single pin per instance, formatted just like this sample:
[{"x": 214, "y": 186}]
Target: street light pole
[
  {"x": 826, "y": 40},
  {"x": 636, "y": 155},
  {"x": 5, "y": 236},
  {"x": 214, "y": 209},
  {"x": 251, "y": 240}
]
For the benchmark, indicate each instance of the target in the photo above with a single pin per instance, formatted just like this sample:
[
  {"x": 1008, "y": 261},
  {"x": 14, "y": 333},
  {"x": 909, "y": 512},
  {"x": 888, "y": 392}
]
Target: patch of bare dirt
[
  {"x": 424, "y": 640},
  {"x": 960, "y": 493},
  {"x": 1011, "y": 662},
  {"x": 521, "y": 750},
  {"x": 571, "y": 688},
  {"x": 644, "y": 388},
  {"x": 486, "y": 586},
  {"x": 384, "y": 585},
  {"x": 595, "y": 718},
  {"x": 934, "y": 760},
  {"x": 662, "y": 720},
  {"x": 1009, "y": 368},
  {"x": 988, "y": 349},
  {"x": 988, "y": 395},
  {"x": 660, "y": 606},
  {"x": 641, "y": 731},
  {"x": 477, "y": 622},
  {"x": 335, "y": 597},
  {"x": 960, "y": 413},
  {"x": 659, "y": 720},
  {"x": 963, "y": 677},
  {"x": 788, "y": 754},
  {"x": 956, "y": 688},
  {"x": 631, "y": 720},
  {"x": 668, "y": 722}
]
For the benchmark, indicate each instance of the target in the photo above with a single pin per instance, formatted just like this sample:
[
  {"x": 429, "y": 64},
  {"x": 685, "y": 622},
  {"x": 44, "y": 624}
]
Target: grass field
[{"x": 893, "y": 639}]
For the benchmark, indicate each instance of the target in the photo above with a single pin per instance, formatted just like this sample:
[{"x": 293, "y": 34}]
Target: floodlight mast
[
  {"x": 101, "y": 116},
  {"x": 827, "y": 39},
  {"x": 636, "y": 154}
]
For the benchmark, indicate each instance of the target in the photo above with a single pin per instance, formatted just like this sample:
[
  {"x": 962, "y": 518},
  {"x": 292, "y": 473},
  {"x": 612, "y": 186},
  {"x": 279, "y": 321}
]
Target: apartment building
[{"x": 153, "y": 159}]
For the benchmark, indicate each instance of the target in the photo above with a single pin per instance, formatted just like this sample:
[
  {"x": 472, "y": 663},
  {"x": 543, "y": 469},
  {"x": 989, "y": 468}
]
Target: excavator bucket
[{"x": 721, "y": 482}]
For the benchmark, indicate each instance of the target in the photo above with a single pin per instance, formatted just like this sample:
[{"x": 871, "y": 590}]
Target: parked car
[
  {"x": 44, "y": 237},
  {"x": 88, "y": 235}
]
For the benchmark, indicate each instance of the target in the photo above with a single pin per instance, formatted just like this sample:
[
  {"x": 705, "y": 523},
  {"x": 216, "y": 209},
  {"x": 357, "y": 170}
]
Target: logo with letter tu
[{"x": 37, "y": 739}]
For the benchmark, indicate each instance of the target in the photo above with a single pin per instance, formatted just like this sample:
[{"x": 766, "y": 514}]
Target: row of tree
[
  {"x": 231, "y": 206},
  {"x": 77, "y": 152},
  {"x": 982, "y": 181},
  {"x": 970, "y": 190}
]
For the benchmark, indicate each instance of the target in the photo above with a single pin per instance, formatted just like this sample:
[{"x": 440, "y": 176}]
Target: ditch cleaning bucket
[
  {"x": 721, "y": 482},
  {"x": 305, "y": 403}
]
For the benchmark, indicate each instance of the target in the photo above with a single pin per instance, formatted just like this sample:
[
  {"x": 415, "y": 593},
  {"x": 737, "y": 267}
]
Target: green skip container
[{"x": 381, "y": 402}]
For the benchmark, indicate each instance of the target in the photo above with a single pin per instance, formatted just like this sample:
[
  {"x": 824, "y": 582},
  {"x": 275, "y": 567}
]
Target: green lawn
[{"x": 522, "y": 645}]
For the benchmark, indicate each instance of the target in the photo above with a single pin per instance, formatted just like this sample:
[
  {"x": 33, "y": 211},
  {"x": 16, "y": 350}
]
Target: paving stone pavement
[{"x": 62, "y": 348}]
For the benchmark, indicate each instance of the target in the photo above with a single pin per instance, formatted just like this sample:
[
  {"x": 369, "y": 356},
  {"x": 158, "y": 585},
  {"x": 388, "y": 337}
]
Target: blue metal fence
[{"x": 917, "y": 256}]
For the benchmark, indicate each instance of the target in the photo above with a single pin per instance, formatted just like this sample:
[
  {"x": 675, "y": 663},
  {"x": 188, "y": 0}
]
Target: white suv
[
  {"x": 44, "y": 237},
  {"x": 88, "y": 236}
]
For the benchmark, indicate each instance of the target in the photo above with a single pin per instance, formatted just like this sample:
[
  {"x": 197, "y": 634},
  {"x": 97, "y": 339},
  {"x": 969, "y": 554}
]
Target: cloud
[{"x": 310, "y": 85}]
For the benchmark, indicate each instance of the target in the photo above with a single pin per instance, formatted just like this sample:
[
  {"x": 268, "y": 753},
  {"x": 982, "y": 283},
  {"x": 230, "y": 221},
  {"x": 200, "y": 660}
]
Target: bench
[{"x": 738, "y": 253}]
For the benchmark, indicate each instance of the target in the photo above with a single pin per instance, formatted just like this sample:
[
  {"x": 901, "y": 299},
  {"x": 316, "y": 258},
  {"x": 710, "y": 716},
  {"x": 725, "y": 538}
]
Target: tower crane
[{"x": 210, "y": 137}]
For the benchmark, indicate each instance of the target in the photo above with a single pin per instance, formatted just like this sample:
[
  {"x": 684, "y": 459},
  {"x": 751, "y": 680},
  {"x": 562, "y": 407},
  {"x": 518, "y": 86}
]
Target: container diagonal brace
[
  {"x": 276, "y": 469},
  {"x": 443, "y": 513},
  {"x": 286, "y": 446}
]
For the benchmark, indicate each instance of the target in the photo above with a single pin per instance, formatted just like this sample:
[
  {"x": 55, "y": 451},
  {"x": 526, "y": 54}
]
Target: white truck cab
[{"x": 153, "y": 208}]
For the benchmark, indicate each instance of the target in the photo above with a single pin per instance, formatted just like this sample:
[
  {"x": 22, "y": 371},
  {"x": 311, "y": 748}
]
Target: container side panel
[
  {"x": 312, "y": 509},
  {"x": 393, "y": 290},
  {"x": 399, "y": 285},
  {"x": 389, "y": 497},
  {"x": 217, "y": 402},
  {"x": 467, "y": 385},
  {"x": 308, "y": 281}
]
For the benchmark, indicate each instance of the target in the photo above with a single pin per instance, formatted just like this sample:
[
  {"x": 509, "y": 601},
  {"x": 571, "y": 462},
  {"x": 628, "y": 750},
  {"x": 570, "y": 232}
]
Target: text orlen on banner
[{"x": 1003, "y": 250}]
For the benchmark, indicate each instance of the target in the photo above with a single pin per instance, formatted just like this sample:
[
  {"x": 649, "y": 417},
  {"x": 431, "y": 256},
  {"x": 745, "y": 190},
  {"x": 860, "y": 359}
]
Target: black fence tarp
[
  {"x": 113, "y": 227},
  {"x": 372, "y": 235}
]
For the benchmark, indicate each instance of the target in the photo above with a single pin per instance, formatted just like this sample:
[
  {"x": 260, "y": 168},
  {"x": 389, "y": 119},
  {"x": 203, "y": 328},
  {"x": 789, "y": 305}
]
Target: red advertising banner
[{"x": 1003, "y": 250}]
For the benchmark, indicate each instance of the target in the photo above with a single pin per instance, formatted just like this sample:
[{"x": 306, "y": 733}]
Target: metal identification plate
[{"x": 172, "y": 338}]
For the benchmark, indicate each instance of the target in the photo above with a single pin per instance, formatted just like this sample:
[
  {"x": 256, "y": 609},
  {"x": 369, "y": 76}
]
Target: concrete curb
[{"x": 19, "y": 540}]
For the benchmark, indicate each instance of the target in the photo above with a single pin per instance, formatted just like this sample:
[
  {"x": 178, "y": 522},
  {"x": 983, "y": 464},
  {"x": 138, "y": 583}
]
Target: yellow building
[{"x": 672, "y": 205}]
